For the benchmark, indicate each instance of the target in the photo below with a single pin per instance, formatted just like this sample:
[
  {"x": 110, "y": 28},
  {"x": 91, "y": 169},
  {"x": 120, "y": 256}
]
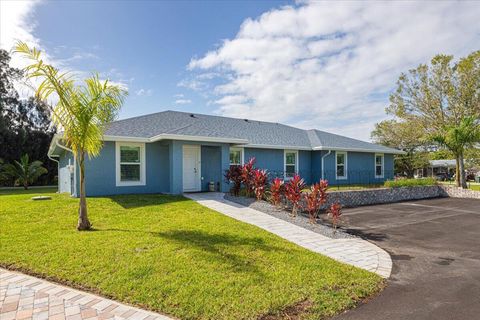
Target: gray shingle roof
[
  {"x": 257, "y": 133},
  {"x": 443, "y": 163}
]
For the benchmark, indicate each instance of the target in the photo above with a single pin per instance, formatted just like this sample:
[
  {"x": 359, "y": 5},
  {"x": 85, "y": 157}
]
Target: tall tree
[
  {"x": 25, "y": 125},
  {"x": 404, "y": 136},
  {"x": 9, "y": 101},
  {"x": 82, "y": 112},
  {"x": 8, "y": 94},
  {"x": 457, "y": 138},
  {"x": 439, "y": 96}
]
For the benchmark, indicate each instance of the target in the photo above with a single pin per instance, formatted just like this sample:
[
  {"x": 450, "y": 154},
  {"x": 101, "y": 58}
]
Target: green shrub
[{"x": 410, "y": 182}]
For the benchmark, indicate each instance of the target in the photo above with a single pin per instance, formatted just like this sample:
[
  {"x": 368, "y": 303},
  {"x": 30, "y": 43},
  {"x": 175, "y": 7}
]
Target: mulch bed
[{"x": 322, "y": 225}]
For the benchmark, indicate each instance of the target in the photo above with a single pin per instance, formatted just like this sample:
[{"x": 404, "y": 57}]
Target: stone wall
[
  {"x": 364, "y": 197},
  {"x": 454, "y": 192},
  {"x": 356, "y": 198}
]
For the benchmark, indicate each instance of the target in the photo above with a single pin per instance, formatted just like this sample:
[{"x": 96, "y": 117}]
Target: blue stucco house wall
[{"x": 176, "y": 163}]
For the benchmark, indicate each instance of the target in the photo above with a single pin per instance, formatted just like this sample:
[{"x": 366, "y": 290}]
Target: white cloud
[
  {"x": 13, "y": 23},
  {"x": 330, "y": 65},
  {"x": 183, "y": 101},
  {"x": 17, "y": 23},
  {"x": 144, "y": 92}
]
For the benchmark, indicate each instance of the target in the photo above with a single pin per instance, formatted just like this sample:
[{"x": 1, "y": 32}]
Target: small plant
[
  {"x": 260, "y": 178},
  {"x": 25, "y": 172},
  {"x": 276, "y": 190},
  {"x": 315, "y": 198},
  {"x": 293, "y": 192},
  {"x": 247, "y": 176},
  {"x": 234, "y": 175},
  {"x": 334, "y": 213}
]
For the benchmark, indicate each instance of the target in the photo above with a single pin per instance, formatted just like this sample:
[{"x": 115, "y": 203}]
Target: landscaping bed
[
  {"x": 172, "y": 255},
  {"x": 321, "y": 227}
]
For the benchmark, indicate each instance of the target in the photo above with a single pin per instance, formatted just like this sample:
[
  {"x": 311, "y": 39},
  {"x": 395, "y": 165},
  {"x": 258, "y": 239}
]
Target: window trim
[
  {"x": 375, "y": 165},
  {"x": 345, "y": 165},
  {"x": 285, "y": 163},
  {"x": 242, "y": 156},
  {"x": 143, "y": 164}
]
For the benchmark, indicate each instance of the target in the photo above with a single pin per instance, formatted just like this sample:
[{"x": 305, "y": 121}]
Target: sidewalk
[
  {"x": 27, "y": 297},
  {"x": 357, "y": 252}
]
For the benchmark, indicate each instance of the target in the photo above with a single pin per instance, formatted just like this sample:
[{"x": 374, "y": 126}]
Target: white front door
[{"x": 191, "y": 168}]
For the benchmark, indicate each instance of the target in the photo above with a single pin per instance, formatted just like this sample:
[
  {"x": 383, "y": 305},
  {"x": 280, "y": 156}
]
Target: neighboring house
[
  {"x": 442, "y": 169},
  {"x": 175, "y": 152},
  {"x": 445, "y": 170}
]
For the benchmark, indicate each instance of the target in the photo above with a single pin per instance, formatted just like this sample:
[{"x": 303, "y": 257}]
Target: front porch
[{"x": 194, "y": 165}]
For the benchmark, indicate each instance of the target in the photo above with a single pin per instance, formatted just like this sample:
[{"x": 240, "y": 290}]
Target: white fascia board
[
  {"x": 391, "y": 151},
  {"x": 56, "y": 143},
  {"x": 125, "y": 138},
  {"x": 52, "y": 146},
  {"x": 266, "y": 146}
]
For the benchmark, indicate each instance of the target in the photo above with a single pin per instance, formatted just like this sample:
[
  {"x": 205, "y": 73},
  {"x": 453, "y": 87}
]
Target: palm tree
[
  {"x": 24, "y": 172},
  {"x": 82, "y": 111},
  {"x": 457, "y": 138}
]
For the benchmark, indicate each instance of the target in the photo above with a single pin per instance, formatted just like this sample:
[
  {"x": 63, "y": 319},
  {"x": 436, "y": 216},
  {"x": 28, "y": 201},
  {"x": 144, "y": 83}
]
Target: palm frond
[{"x": 82, "y": 111}]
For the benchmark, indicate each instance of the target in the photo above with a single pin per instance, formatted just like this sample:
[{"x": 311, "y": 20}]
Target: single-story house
[
  {"x": 443, "y": 169},
  {"x": 175, "y": 152}
]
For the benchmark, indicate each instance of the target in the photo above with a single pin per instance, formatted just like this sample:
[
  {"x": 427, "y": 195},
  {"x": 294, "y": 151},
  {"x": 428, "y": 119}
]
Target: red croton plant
[
  {"x": 260, "y": 178},
  {"x": 315, "y": 198},
  {"x": 276, "y": 189},
  {"x": 293, "y": 192},
  {"x": 247, "y": 176},
  {"x": 335, "y": 212},
  {"x": 234, "y": 176}
]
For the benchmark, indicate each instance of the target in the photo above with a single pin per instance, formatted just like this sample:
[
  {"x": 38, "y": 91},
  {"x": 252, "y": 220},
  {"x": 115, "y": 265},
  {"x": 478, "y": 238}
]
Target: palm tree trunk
[
  {"x": 457, "y": 171},
  {"x": 463, "y": 180},
  {"x": 83, "y": 223}
]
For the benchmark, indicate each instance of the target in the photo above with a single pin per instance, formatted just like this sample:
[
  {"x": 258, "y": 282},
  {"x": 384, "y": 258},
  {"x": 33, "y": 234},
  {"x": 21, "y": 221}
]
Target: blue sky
[
  {"x": 145, "y": 44},
  {"x": 325, "y": 65}
]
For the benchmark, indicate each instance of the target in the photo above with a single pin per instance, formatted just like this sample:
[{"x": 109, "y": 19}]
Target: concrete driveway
[{"x": 435, "y": 248}]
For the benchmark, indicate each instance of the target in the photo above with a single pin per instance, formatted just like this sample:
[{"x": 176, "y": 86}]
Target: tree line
[
  {"x": 25, "y": 133},
  {"x": 436, "y": 115}
]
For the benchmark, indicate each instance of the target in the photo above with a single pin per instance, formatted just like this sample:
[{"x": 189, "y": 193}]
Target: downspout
[
  {"x": 74, "y": 167},
  {"x": 323, "y": 167}
]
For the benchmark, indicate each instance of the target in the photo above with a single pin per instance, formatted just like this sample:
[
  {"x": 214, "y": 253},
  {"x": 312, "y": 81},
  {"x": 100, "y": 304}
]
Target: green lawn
[
  {"x": 471, "y": 185},
  {"x": 170, "y": 254},
  {"x": 475, "y": 186}
]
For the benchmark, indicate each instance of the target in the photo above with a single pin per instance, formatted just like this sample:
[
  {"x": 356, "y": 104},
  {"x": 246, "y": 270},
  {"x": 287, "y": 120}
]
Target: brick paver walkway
[
  {"x": 356, "y": 252},
  {"x": 26, "y": 297}
]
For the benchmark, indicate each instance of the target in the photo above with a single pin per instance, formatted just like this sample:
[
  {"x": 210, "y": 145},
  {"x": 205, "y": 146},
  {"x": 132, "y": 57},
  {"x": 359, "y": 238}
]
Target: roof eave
[
  {"x": 390, "y": 151},
  {"x": 267, "y": 146},
  {"x": 56, "y": 143}
]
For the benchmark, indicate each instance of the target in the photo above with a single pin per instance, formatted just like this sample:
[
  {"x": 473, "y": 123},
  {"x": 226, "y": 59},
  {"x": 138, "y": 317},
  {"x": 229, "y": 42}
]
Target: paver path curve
[
  {"x": 27, "y": 297},
  {"x": 357, "y": 252}
]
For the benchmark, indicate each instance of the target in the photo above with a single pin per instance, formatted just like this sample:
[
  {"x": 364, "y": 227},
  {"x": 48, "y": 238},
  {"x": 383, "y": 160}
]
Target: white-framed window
[
  {"x": 236, "y": 156},
  {"x": 379, "y": 160},
  {"x": 340, "y": 165},
  {"x": 130, "y": 163},
  {"x": 290, "y": 163}
]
